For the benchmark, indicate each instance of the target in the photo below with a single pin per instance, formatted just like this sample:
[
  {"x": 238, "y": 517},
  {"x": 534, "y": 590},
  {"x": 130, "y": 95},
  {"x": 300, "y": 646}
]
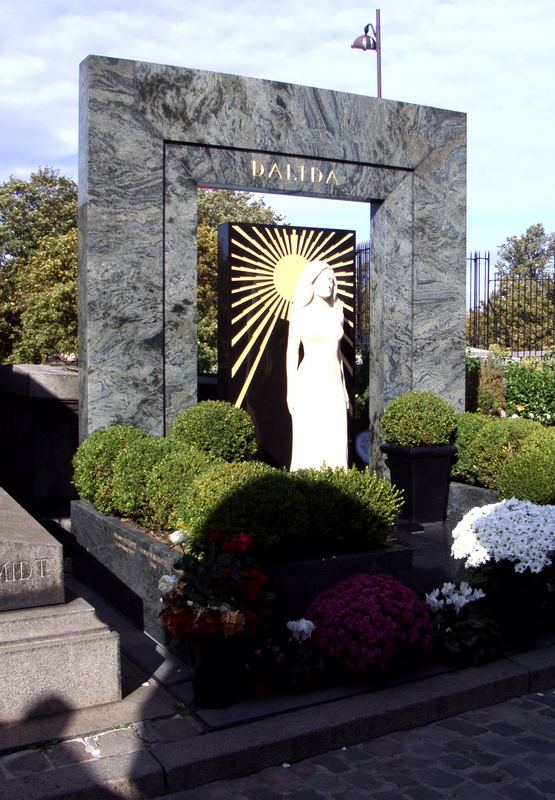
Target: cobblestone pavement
[{"x": 503, "y": 751}]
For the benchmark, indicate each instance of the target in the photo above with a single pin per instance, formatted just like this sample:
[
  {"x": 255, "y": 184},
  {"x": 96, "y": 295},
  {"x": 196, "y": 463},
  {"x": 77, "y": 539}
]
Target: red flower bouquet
[
  {"x": 367, "y": 621},
  {"x": 225, "y": 593}
]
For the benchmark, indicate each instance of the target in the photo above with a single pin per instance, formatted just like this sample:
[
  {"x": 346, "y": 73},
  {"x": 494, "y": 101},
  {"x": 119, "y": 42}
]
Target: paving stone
[
  {"x": 261, "y": 793},
  {"x": 537, "y": 744},
  {"x": 305, "y": 794},
  {"x": 462, "y": 726},
  {"x": 470, "y": 791},
  {"x": 72, "y": 752},
  {"x": 454, "y": 761},
  {"x": 440, "y": 779},
  {"x": 505, "y": 728},
  {"x": 518, "y": 791},
  {"x": 385, "y": 746},
  {"x": 485, "y": 776},
  {"x": 423, "y": 793},
  {"x": 26, "y": 763},
  {"x": 168, "y": 730},
  {"x": 122, "y": 740},
  {"x": 547, "y": 786},
  {"x": 333, "y": 763},
  {"x": 363, "y": 780},
  {"x": 325, "y": 781},
  {"x": 498, "y": 744}
]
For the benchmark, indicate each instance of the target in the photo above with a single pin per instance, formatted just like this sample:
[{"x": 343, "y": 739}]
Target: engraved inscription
[
  {"x": 15, "y": 571},
  {"x": 285, "y": 172},
  {"x": 124, "y": 544}
]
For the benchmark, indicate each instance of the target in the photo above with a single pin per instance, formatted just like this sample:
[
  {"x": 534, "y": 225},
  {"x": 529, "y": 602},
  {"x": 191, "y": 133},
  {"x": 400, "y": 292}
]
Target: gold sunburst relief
[{"x": 259, "y": 269}]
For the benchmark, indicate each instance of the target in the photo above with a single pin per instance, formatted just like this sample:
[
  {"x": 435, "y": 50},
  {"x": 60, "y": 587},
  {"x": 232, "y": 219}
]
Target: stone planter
[
  {"x": 124, "y": 564},
  {"x": 423, "y": 475},
  {"x": 128, "y": 565}
]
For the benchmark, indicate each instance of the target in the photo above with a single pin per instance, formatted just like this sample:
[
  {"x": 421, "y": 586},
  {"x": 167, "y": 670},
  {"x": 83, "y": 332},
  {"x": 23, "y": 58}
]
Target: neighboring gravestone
[
  {"x": 31, "y": 560},
  {"x": 54, "y": 656}
]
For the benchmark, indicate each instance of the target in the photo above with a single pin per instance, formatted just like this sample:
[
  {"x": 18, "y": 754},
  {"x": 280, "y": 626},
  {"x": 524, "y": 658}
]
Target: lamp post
[{"x": 367, "y": 42}]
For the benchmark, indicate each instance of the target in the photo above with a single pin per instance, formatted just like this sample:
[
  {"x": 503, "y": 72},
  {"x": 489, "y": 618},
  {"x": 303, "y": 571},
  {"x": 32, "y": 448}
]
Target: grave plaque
[{"x": 31, "y": 560}]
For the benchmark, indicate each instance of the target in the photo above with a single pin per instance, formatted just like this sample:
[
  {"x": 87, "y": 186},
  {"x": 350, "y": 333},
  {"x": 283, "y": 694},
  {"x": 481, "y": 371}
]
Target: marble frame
[{"x": 150, "y": 135}]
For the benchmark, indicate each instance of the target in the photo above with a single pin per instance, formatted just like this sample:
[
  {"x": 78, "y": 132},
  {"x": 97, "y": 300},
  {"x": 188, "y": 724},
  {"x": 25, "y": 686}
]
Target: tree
[
  {"x": 214, "y": 207},
  {"x": 519, "y": 313},
  {"x": 44, "y": 205},
  {"x": 47, "y": 291},
  {"x": 530, "y": 254}
]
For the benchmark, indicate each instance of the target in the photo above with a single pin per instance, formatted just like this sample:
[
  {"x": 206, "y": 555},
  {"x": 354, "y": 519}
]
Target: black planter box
[
  {"x": 423, "y": 475},
  {"x": 125, "y": 565}
]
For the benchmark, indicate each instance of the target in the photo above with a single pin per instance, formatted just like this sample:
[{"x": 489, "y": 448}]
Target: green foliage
[
  {"x": 472, "y": 376},
  {"x": 131, "y": 470},
  {"x": 491, "y": 388},
  {"x": 47, "y": 291},
  {"x": 531, "y": 253},
  {"x": 469, "y": 424},
  {"x": 215, "y": 207},
  {"x": 529, "y": 474},
  {"x": 168, "y": 481},
  {"x": 348, "y": 510},
  {"x": 494, "y": 443},
  {"x": 45, "y": 205},
  {"x": 93, "y": 463},
  {"x": 248, "y": 497},
  {"x": 418, "y": 418},
  {"x": 217, "y": 427},
  {"x": 531, "y": 390}
]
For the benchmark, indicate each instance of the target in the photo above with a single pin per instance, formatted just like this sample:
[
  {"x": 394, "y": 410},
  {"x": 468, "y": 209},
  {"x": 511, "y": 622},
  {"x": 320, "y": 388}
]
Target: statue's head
[{"x": 317, "y": 278}]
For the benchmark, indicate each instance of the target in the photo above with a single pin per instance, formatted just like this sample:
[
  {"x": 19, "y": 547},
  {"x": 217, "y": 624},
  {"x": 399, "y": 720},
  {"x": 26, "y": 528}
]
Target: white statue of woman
[{"x": 316, "y": 393}]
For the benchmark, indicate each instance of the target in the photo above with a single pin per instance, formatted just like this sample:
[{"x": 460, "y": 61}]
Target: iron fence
[{"x": 515, "y": 311}]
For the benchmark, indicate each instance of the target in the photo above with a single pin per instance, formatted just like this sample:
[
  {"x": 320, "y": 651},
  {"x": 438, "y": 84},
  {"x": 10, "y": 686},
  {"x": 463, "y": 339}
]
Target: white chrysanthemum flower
[{"x": 515, "y": 530}]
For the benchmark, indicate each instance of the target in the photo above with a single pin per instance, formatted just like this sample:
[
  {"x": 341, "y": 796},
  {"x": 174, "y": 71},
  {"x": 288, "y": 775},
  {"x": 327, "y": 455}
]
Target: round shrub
[
  {"x": 348, "y": 510},
  {"x": 469, "y": 424},
  {"x": 93, "y": 463},
  {"x": 367, "y": 621},
  {"x": 248, "y": 497},
  {"x": 417, "y": 419},
  {"x": 529, "y": 474},
  {"x": 217, "y": 427},
  {"x": 168, "y": 481},
  {"x": 130, "y": 475},
  {"x": 493, "y": 444}
]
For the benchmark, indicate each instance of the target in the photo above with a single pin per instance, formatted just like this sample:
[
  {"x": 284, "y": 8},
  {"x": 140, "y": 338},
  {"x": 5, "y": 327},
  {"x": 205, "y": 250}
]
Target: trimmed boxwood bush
[
  {"x": 417, "y": 419},
  {"x": 348, "y": 510},
  {"x": 93, "y": 463},
  {"x": 246, "y": 497},
  {"x": 529, "y": 474},
  {"x": 469, "y": 425},
  {"x": 493, "y": 444},
  {"x": 168, "y": 481},
  {"x": 217, "y": 427},
  {"x": 132, "y": 468}
]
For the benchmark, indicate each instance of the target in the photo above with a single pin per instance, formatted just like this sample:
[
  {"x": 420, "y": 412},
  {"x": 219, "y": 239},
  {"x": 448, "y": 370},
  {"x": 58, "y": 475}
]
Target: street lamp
[{"x": 367, "y": 42}]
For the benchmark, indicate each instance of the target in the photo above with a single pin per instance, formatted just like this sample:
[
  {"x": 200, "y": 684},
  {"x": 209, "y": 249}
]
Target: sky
[{"x": 494, "y": 61}]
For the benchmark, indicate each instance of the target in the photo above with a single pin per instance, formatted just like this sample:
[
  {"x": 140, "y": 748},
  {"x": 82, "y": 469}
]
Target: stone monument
[
  {"x": 151, "y": 134},
  {"x": 53, "y": 655}
]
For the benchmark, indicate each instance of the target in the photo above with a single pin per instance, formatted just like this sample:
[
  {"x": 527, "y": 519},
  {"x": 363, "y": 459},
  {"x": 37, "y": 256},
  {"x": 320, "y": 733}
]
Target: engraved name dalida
[
  {"x": 12, "y": 571},
  {"x": 284, "y": 171}
]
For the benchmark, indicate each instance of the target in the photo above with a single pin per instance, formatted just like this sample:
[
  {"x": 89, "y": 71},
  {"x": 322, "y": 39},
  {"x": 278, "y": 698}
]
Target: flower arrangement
[
  {"x": 517, "y": 531},
  {"x": 223, "y": 594},
  {"x": 462, "y": 629},
  {"x": 365, "y": 622}
]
